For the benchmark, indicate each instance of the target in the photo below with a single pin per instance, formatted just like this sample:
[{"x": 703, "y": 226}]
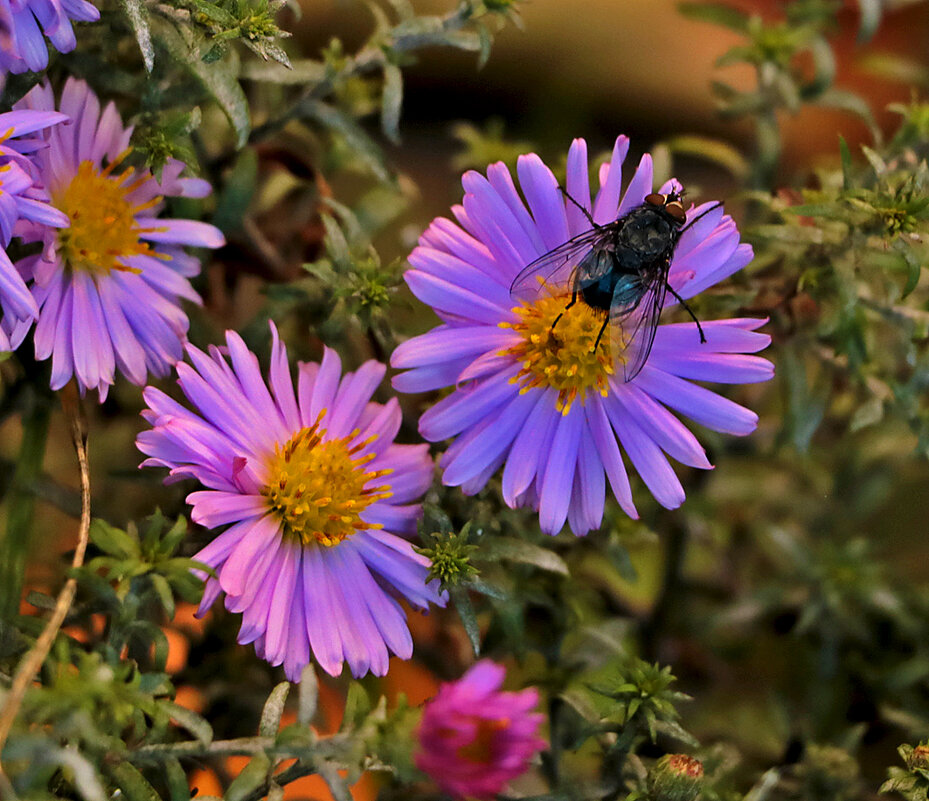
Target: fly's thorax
[{"x": 648, "y": 233}]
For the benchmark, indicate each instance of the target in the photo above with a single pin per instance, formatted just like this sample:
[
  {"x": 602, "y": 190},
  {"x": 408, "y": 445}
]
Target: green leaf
[
  {"x": 112, "y": 540},
  {"x": 673, "y": 729},
  {"x": 237, "y": 192},
  {"x": 714, "y": 150},
  {"x": 484, "y": 588},
  {"x": 176, "y": 780},
  {"x": 716, "y": 13},
  {"x": 357, "y": 706},
  {"x": 163, "y": 590},
  {"x": 846, "y": 156},
  {"x": 336, "y": 243},
  {"x": 391, "y": 101},
  {"x": 806, "y": 405},
  {"x": 273, "y": 710},
  {"x": 516, "y": 550},
  {"x": 853, "y": 104},
  {"x": 303, "y": 71},
  {"x": 218, "y": 79},
  {"x": 133, "y": 784},
  {"x": 868, "y": 414},
  {"x": 870, "y": 19},
  {"x": 137, "y": 14},
  {"x": 354, "y": 135},
  {"x": 462, "y": 601},
  {"x": 913, "y": 264},
  {"x": 85, "y": 776},
  {"x": 252, "y": 777},
  {"x": 190, "y": 721},
  {"x": 309, "y": 695}
]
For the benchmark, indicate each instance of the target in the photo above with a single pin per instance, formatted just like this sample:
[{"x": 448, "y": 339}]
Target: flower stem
[{"x": 14, "y": 544}]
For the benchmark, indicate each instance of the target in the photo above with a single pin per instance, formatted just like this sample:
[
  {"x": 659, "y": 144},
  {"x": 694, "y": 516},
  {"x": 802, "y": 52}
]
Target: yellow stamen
[
  {"x": 317, "y": 486},
  {"x": 565, "y": 358},
  {"x": 103, "y": 232}
]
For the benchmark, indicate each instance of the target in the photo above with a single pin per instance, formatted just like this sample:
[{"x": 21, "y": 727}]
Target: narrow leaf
[
  {"x": 163, "y": 590},
  {"x": 133, "y": 784},
  {"x": 515, "y": 550},
  {"x": 137, "y": 14},
  {"x": 357, "y": 706},
  {"x": 250, "y": 778},
  {"x": 85, "y": 776},
  {"x": 237, "y": 192},
  {"x": 846, "y": 156},
  {"x": 354, "y": 135},
  {"x": 309, "y": 695},
  {"x": 465, "y": 609},
  {"x": 218, "y": 79},
  {"x": 870, "y": 19},
  {"x": 273, "y": 710},
  {"x": 302, "y": 71},
  {"x": 176, "y": 780},
  {"x": 868, "y": 414},
  {"x": 391, "y": 101},
  {"x": 190, "y": 721}
]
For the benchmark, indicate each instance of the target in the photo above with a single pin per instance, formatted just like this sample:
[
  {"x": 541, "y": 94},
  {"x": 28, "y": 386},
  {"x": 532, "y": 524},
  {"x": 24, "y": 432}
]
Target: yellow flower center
[
  {"x": 564, "y": 358},
  {"x": 103, "y": 230},
  {"x": 317, "y": 486}
]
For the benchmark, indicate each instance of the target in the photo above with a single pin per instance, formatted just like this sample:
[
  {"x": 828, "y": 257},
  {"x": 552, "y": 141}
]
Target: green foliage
[
  {"x": 635, "y": 699},
  {"x": 853, "y": 250},
  {"x": 911, "y": 782},
  {"x": 777, "y": 51}
]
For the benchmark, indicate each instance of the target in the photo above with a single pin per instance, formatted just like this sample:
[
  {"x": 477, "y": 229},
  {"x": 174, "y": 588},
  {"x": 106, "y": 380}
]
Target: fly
[{"x": 619, "y": 269}]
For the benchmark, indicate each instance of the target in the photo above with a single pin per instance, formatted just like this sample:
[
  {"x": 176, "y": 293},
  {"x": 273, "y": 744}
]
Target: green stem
[{"x": 14, "y": 545}]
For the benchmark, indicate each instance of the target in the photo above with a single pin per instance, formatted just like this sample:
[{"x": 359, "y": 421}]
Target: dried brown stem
[{"x": 32, "y": 661}]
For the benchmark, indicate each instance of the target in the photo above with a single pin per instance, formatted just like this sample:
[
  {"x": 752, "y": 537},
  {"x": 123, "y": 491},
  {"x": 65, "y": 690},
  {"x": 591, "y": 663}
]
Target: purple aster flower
[
  {"x": 316, "y": 491},
  {"x": 473, "y": 738},
  {"x": 550, "y": 411},
  {"x": 109, "y": 285},
  {"x": 20, "y": 199},
  {"x": 22, "y": 23}
]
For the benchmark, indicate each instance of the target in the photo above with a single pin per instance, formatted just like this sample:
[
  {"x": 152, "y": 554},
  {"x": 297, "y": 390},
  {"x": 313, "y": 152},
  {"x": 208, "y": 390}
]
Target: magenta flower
[
  {"x": 109, "y": 285},
  {"x": 21, "y": 198},
  {"x": 554, "y": 417},
  {"x": 473, "y": 738},
  {"x": 316, "y": 492},
  {"x": 22, "y": 23}
]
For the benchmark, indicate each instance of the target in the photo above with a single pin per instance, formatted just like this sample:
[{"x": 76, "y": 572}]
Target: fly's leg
[
  {"x": 689, "y": 311},
  {"x": 561, "y": 314},
  {"x": 600, "y": 333},
  {"x": 582, "y": 209}
]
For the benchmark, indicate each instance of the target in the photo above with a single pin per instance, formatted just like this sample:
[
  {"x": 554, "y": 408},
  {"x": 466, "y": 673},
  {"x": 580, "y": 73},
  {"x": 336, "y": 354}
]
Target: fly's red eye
[
  {"x": 676, "y": 210},
  {"x": 655, "y": 199}
]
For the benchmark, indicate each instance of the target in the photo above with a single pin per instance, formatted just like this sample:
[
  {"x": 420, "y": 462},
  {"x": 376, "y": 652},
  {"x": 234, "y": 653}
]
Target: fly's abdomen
[{"x": 598, "y": 294}]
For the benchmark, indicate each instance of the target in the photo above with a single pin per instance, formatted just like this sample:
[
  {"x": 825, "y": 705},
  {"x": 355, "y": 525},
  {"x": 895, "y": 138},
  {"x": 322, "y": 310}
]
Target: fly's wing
[
  {"x": 556, "y": 272},
  {"x": 633, "y": 321}
]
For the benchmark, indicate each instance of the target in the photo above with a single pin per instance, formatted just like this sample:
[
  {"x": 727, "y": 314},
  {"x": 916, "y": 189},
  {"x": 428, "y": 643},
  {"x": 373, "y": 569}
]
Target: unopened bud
[
  {"x": 918, "y": 758},
  {"x": 676, "y": 777}
]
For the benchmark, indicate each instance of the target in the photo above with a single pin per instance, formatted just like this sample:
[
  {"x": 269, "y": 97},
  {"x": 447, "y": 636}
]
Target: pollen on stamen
[
  {"x": 104, "y": 232},
  {"x": 317, "y": 486},
  {"x": 570, "y": 359}
]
